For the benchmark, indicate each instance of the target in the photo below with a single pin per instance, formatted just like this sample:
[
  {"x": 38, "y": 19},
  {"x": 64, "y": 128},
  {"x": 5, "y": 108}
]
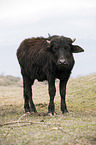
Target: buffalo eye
[{"x": 54, "y": 48}]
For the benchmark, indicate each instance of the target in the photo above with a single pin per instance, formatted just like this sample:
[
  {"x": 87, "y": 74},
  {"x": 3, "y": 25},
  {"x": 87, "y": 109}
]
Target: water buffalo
[{"x": 46, "y": 59}]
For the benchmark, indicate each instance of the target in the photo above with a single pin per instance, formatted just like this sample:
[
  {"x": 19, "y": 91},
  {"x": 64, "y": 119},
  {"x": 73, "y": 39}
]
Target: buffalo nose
[{"x": 62, "y": 61}]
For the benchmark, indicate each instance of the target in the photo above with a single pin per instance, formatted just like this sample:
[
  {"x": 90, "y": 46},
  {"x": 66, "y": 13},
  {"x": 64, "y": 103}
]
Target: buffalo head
[{"x": 62, "y": 49}]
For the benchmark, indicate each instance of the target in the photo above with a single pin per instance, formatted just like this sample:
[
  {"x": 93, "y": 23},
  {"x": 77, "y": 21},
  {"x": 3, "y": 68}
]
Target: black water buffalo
[{"x": 46, "y": 59}]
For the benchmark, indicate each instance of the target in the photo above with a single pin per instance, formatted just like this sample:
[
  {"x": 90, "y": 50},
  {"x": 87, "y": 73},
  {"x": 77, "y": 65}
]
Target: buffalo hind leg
[{"x": 28, "y": 102}]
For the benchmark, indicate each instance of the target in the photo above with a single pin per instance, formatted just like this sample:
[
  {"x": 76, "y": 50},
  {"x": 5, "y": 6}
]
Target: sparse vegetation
[
  {"x": 10, "y": 80},
  {"x": 78, "y": 127}
]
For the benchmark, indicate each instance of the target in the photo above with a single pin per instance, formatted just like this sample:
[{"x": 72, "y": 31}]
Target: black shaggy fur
[{"x": 46, "y": 59}]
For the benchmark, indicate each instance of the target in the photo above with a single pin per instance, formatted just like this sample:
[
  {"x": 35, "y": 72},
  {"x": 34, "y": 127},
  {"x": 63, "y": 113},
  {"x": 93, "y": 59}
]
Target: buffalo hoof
[
  {"x": 33, "y": 110},
  {"x": 65, "y": 112},
  {"x": 27, "y": 110},
  {"x": 30, "y": 110},
  {"x": 51, "y": 113}
]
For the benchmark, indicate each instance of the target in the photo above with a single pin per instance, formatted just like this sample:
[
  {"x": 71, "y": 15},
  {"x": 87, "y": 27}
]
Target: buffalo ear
[{"x": 77, "y": 49}]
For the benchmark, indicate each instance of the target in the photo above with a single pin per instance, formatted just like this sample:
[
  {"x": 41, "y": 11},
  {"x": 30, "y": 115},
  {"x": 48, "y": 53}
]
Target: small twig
[
  {"x": 30, "y": 122},
  {"x": 20, "y": 118},
  {"x": 25, "y": 122}
]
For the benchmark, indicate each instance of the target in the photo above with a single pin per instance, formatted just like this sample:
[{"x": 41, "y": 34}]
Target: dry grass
[{"x": 78, "y": 127}]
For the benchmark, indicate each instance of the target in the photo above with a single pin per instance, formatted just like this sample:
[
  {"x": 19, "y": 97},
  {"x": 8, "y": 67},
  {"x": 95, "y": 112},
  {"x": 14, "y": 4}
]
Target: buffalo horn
[
  {"x": 48, "y": 41},
  {"x": 73, "y": 40}
]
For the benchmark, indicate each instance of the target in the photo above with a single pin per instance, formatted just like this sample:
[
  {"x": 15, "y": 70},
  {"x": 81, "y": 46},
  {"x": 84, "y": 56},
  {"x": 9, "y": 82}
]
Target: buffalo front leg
[
  {"x": 52, "y": 91},
  {"x": 63, "y": 94},
  {"x": 28, "y": 102}
]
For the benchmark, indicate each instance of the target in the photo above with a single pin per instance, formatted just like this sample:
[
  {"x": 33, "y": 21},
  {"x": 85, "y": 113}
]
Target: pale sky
[{"x": 20, "y": 19}]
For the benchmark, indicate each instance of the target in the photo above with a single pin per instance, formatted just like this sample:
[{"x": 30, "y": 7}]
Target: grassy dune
[
  {"x": 78, "y": 127},
  {"x": 10, "y": 80}
]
